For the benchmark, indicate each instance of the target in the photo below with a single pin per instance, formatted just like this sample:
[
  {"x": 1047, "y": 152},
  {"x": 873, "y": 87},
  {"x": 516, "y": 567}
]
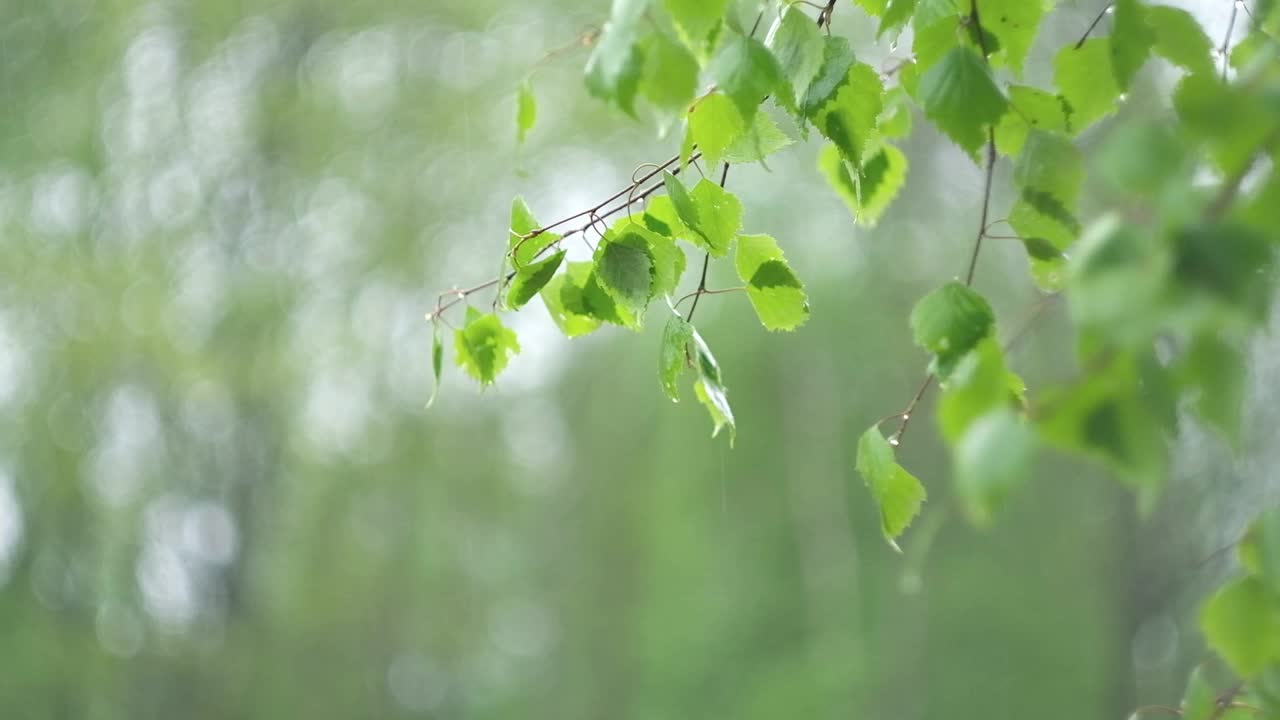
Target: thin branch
[
  {"x": 721, "y": 291},
  {"x": 910, "y": 411},
  {"x": 1226, "y": 41},
  {"x": 706, "y": 261},
  {"x": 1167, "y": 709},
  {"x": 1101, "y": 13}
]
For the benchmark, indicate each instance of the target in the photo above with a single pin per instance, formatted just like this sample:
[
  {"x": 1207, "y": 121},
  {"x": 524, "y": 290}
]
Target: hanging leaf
[
  {"x": 675, "y": 355},
  {"x": 437, "y": 363},
  {"x": 714, "y": 125},
  {"x": 484, "y": 347},
  {"x": 567, "y": 301},
  {"x": 949, "y": 322},
  {"x": 959, "y": 95},
  {"x": 746, "y": 72},
  {"x": 775, "y": 292},
  {"x": 710, "y": 389},
  {"x": 797, "y": 44},
  {"x": 897, "y": 493},
  {"x": 993, "y": 458},
  {"x": 530, "y": 279},
  {"x": 526, "y": 111}
]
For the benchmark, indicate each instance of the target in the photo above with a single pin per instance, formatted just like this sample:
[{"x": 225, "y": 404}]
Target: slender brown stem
[
  {"x": 1226, "y": 41},
  {"x": 986, "y": 206},
  {"x": 706, "y": 261}
]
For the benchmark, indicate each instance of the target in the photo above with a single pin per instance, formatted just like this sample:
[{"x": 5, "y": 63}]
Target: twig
[
  {"x": 1101, "y": 13},
  {"x": 706, "y": 261},
  {"x": 1226, "y": 41}
]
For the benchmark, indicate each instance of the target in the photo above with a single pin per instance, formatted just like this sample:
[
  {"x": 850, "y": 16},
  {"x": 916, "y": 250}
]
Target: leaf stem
[{"x": 1101, "y": 13}]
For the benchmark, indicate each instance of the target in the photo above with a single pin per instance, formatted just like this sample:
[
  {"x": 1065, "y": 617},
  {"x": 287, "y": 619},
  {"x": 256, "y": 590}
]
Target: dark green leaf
[
  {"x": 1131, "y": 41},
  {"x": 837, "y": 58},
  {"x": 949, "y": 322},
  {"x": 625, "y": 270},
  {"x": 849, "y": 119},
  {"x": 897, "y": 493},
  {"x": 867, "y": 191},
  {"x": 530, "y": 279},
  {"x": 960, "y": 96}
]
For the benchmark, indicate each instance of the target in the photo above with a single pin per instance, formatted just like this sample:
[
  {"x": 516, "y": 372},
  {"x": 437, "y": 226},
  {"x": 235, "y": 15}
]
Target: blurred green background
[{"x": 221, "y": 495}]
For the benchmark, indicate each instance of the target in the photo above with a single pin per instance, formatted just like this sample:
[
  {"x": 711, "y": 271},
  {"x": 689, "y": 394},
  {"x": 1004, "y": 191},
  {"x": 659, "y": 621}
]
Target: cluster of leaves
[{"x": 1182, "y": 258}]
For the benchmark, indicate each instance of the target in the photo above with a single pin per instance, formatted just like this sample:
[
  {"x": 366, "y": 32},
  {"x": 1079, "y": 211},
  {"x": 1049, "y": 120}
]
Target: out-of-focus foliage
[{"x": 221, "y": 494}]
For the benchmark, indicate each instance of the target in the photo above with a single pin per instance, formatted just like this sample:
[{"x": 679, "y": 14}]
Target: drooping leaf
[
  {"x": 992, "y": 458},
  {"x": 762, "y": 140},
  {"x": 1131, "y": 41},
  {"x": 1259, "y": 549},
  {"x": 710, "y": 389},
  {"x": 523, "y": 250},
  {"x": 960, "y": 96},
  {"x": 896, "y": 14},
  {"x": 526, "y": 111},
  {"x": 1180, "y": 39},
  {"x": 670, "y": 77},
  {"x": 613, "y": 70},
  {"x": 675, "y": 355},
  {"x": 837, "y": 58},
  {"x": 1214, "y": 371},
  {"x": 849, "y": 119},
  {"x": 797, "y": 44},
  {"x": 696, "y": 18},
  {"x": 714, "y": 125},
  {"x": 719, "y": 217},
  {"x": 746, "y": 72},
  {"x": 866, "y": 191},
  {"x": 566, "y": 299},
  {"x": 484, "y": 346},
  {"x": 625, "y": 270},
  {"x": 1030, "y": 109},
  {"x": 949, "y": 322},
  {"x": 1086, "y": 79},
  {"x": 980, "y": 384},
  {"x": 1199, "y": 700},
  {"x": 897, "y": 493},
  {"x": 775, "y": 292},
  {"x": 1014, "y": 24},
  {"x": 437, "y": 364},
  {"x": 1241, "y": 622},
  {"x": 530, "y": 280}
]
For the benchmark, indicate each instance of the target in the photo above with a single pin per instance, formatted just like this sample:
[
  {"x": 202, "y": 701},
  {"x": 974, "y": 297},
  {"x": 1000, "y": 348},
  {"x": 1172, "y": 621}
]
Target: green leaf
[
  {"x": 1030, "y": 109},
  {"x": 566, "y": 299},
  {"x": 675, "y": 355},
  {"x": 1085, "y": 78},
  {"x": 625, "y": 270},
  {"x": 523, "y": 251},
  {"x": 1241, "y": 622},
  {"x": 949, "y": 322},
  {"x": 714, "y": 125},
  {"x": 1214, "y": 371},
  {"x": 837, "y": 58},
  {"x": 993, "y": 458},
  {"x": 1014, "y": 24},
  {"x": 867, "y": 191},
  {"x": 960, "y": 96},
  {"x": 483, "y": 347},
  {"x": 680, "y": 199},
  {"x": 747, "y": 72},
  {"x": 696, "y": 17},
  {"x": 526, "y": 111},
  {"x": 934, "y": 37},
  {"x": 710, "y": 389},
  {"x": 874, "y": 8},
  {"x": 670, "y": 77},
  {"x": 1225, "y": 264},
  {"x": 775, "y": 292},
  {"x": 613, "y": 70},
  {"x": 719, "y": 217},
  {"x": 762, "y": 140},
  {"x": 896, "y": 14},
  {"x": 897, "y": 493},
  {"x": 530, "y": 279},
  {"x": 1259, "y": 549},
  {"x": 1050, "y": 164},
  {"x": 1180, "y": 39},
  {"x": 849, "y": 119},
  {"x": 979, "y": 384},
  {"x": 437, "y": 364},
  {"x": 668, "y": 259},
  {"x": 1131, "y": 41},
  {"x": 1200, "y": 700},
  {"x": 797, "y": 44}
]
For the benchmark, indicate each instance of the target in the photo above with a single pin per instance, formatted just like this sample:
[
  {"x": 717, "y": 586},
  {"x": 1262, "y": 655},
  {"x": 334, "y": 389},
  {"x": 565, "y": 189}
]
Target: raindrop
[{"x": 893, "y": 441}]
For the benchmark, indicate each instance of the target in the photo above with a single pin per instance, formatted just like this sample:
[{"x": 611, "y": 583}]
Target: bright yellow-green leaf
[
  {"x": 484, "y": 347},
  {"x": 714, "y": 125},
  {"x": 897, "y": 493}
]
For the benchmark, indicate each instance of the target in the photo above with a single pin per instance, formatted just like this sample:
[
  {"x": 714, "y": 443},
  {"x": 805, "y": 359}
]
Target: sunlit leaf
[
  {"x": 897, "y": 493},
  {"x": 484, "y": 347}
]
